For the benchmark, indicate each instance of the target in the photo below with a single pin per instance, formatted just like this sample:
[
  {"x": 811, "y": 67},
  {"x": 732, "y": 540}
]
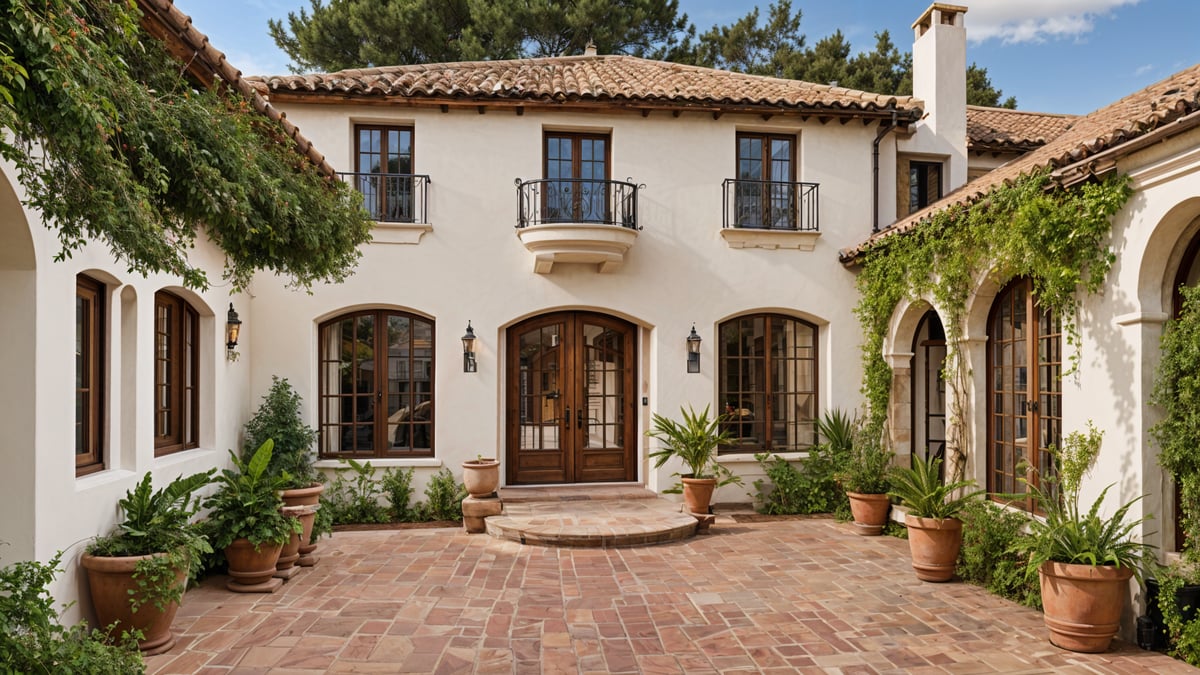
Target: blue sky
[{"x": 1070, "y": 56}]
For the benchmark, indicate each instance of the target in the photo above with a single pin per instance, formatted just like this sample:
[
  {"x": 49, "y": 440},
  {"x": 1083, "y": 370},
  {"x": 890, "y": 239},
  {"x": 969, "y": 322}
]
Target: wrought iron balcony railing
[
  {"x": 392, "y": 197},
  {"x": 770, "y": 205},
  {"x": 577, "y": 200}
]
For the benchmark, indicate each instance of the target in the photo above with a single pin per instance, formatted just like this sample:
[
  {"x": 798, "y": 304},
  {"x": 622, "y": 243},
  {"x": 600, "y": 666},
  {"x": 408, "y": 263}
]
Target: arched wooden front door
[{"x": 571, "y": 414}]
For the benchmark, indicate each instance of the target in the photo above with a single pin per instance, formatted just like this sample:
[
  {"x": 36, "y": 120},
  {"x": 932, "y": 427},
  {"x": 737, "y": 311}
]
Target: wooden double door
[{"x": 571, "y": 406}]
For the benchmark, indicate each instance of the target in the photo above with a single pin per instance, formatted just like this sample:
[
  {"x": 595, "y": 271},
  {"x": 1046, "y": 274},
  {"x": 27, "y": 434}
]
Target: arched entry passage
[
  {"x": 929, "y": 389},
  {"x": 571, "y": 403},
  {"x": 1188, "y": 274}
]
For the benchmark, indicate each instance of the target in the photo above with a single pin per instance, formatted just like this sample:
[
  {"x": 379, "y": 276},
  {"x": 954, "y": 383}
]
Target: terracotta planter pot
[
  {"x": 870, "y": 512},
  {"x": 1083, "y": 604},
  {"x": 481, "y": 476},
  {"x": 934, "y": 545},
  {"x": 697, "y": 493},
  {"x": 111, "y": 582},
  {"x": 308, "y": 496},
  {"x": 248, "y": 567},
  {"x": 290, "y": 552}
]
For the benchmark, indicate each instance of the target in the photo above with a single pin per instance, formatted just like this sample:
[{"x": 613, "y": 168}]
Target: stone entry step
[{"x": 592, "y": 517}]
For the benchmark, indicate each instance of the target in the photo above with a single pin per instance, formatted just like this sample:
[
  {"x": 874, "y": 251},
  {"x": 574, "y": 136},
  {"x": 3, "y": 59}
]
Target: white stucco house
[{"x": 591, "y": 220}]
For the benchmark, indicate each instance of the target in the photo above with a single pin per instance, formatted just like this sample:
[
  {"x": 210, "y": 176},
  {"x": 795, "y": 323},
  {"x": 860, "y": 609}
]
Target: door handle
[{"x": 567, "y": 417}]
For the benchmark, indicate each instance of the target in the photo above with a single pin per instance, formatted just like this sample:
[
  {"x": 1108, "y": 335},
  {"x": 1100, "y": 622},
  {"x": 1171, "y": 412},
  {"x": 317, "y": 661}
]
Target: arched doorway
[
  {"x": 571, "y": 414},
  {"x": 929, "y": 389},
  {"x": 1188, "y": 274}
]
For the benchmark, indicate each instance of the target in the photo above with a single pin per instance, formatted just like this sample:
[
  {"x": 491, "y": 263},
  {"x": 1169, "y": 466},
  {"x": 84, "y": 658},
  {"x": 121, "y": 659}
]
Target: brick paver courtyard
[{"x": 776, "y": 597}]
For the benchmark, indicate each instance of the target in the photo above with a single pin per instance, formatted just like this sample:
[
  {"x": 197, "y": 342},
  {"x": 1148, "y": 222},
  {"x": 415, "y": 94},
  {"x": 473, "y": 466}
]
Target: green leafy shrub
[
  {"x": 247, "y": 502},
  {"x": 353, "y": 496},
  {"x": 812, "y": 488},
  {"x": 1183, "y": 635},
  {"x": 921, "y": 490},
  {"x": 445, "y": 495},
  {"x": 397, "y": 486},
  {"x": 987, "y": 557},
  {"x": 33, "y": 641},
  {"x": 694, "y": 441},
  {"x": 278, "y": 418},
  {"x": 866, "y": 462}
]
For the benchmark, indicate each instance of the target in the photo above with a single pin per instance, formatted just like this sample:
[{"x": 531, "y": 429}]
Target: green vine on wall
[
  {"x": 112, "y": 142},
  {"x": 1029, "y": 228}
]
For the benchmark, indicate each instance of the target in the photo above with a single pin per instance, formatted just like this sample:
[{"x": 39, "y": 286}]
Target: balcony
[
  {"x": 770, "y": 214},
  {"x": 397, "y": 202},
  {"x": 575, "y": 220}
]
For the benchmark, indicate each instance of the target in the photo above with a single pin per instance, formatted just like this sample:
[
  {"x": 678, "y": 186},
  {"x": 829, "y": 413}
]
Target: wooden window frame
[
  {"x": 1036, "y": 396},
  {"x": 577, "y": 138},
  {"x": 381, "y": 207},
  {"x": 767, "y": 198},
  {"x": 91, "y": 383},
  {"x": 769, "y": 391},
  {"x": 179, "y": 372},
  {"x": 382, "y": 448},
  {"x": 923, "y": 198}
]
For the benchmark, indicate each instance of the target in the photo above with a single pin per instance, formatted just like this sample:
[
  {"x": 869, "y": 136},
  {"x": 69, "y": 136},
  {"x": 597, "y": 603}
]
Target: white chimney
[{"x": 940, "y": 80}]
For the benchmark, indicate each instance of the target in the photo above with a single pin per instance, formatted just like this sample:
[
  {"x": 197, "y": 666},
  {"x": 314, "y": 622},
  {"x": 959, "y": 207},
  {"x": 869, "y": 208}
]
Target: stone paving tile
[{"x": 800, "y": 596}]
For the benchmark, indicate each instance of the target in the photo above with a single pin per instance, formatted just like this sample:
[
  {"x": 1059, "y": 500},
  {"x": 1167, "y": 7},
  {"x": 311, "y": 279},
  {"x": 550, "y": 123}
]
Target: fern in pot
[
  {"x": 694, "y": 441},
  {"x": 138, "y": 572},
  {"x": 864, "y": 475},
  {"x": 1084, "y": 560}
]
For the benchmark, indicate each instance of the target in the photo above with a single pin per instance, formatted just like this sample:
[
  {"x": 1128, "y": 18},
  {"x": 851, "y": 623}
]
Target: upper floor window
[
  {"x": 765, "y": 194},
  {"x": 924, "y": 184},
  {"x": 767, "y": 382},
  {"x": 383, "y": 163},
  {"x": 577, "y": 178},
  {"x": 89, "y": 375},
  {"x": 375, "y": 372},
  {"x": 176, "y": 374}
]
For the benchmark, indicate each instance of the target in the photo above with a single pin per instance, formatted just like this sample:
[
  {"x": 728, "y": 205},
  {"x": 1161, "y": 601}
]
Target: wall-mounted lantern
[
  {"x": 233, "y": 327},
  {"x": 693, "y": 351},
  {"x": 468, "y": 342}
]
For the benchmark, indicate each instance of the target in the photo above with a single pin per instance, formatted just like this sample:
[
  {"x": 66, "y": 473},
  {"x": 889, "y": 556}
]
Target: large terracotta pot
[
  {"x": 249, "y": 567},
  {"x": 1083, "y": 604},
  {"x": 934, "y": 544},
  {"x": 481, "y": 476},
  {"x": 697, "y": 493},
  {"x": 111, "y": 582},
  {"x": 308, "y": 496},
  {"x": 870, "y": 512}
]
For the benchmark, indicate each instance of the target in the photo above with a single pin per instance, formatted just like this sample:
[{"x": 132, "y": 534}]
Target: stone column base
[{"x": 476, "y": 509}]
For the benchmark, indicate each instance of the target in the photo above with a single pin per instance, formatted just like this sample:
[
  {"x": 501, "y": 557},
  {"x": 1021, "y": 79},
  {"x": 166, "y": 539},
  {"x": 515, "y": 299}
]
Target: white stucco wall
[{"x": 679, "y": 272}]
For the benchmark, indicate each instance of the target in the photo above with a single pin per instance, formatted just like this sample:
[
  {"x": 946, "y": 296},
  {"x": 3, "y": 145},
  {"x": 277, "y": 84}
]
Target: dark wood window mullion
[{"x": 89, "y": 451}]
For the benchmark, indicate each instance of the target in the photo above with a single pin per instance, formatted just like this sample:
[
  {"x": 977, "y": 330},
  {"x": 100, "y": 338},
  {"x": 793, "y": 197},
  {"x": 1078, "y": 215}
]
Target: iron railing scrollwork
[
  {"x": 770, "y": 205},
  {"x": 577, "y": 200},
  {"x": 392, "y": 197}
]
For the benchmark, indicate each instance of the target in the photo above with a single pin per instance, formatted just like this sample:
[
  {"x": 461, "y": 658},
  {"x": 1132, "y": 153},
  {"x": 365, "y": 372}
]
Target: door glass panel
[
  {"x": 604, "y": 398},
  {"x": 540, "y": 397}
]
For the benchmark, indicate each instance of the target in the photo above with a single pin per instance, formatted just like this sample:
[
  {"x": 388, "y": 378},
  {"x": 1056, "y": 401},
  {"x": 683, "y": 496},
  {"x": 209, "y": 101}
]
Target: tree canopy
[
  {"x": 111, "y": 142},
  {"x": 339, "y": 34}
]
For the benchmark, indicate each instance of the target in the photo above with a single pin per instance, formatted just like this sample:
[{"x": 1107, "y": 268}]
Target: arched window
[
  {"x": 176, "y": 374},
  {"x": 90, "y": 336},
  {"x": 1024, "y": 392},
  {"x": 767, "y": 374},
  {"x": 376, "y": 385}
]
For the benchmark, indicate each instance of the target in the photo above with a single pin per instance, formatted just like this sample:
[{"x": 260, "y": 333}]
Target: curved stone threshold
[{"x": 594, "y": 523}]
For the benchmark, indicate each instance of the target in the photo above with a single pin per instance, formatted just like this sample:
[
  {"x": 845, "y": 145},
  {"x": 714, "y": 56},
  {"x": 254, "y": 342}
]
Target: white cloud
[
  {"x": 1014, "y": 21},
  {"x": 1142, "y": 70}
]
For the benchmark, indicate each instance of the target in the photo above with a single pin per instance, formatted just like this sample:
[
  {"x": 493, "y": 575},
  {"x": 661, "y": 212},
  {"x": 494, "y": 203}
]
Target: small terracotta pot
[
  {"x": 111, "y": 583},
  {"x": 934, "y": 544},
  {"x": 870, "y": 512},
  {"x": 1083, "y": 604},
  {"x": 290, "y": 552},
  {"x": 697, "y": 493},
  {"x": 249, "y": 567},
  {"x": 481, "y": 476},
  {"x": 308, "y": 496}
]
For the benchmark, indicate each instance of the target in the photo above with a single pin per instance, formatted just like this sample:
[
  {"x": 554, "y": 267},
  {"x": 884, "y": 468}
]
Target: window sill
[
  {"x": 399, "y": 233},
  {"x": 382, "y": 462},
  {"x": 744, "y": 237},
  {"x": 748, "y": 457}
]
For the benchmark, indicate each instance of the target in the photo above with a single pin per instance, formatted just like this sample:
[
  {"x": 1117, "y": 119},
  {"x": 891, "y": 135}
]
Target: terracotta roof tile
[
  {"x": 1004, "y": 130},
  {"x": 585, "y": 78},
  {"x": 1110, "y": 127},
  {"x": 184, "y": 40}
]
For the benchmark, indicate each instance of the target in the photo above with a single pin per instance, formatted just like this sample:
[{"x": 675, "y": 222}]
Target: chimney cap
[
  {"x": 590, "y": 49},
  {"x": 926, "y": 18}
]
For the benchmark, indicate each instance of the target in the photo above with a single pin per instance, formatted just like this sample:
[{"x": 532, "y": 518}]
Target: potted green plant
[
  {"x": 247, "y": 522},
  {"x": 481, "y": 476},
  {"x": 694, "y": 441},
  {"x": 934, "y": 529},
  {"x": 864, "y": 473},
  {"x": 279, "y": 418},
  {"x": 137, "y": 573},
  {"x": 1084, "y": 560}
]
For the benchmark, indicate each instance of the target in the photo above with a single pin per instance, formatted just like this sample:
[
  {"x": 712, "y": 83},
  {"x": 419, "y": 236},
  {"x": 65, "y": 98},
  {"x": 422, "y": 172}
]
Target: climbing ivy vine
[
  {"x": 1056, "y": 237},
  {"x": 112, "y": 142}
]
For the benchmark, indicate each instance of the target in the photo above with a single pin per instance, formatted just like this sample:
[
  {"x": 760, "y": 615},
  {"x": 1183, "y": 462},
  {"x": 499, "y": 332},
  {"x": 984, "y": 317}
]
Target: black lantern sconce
[
  {"x": 693, "y": 351},
  {"x": 233, "y": 327},
  {"x": 468, "y": 340}
]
